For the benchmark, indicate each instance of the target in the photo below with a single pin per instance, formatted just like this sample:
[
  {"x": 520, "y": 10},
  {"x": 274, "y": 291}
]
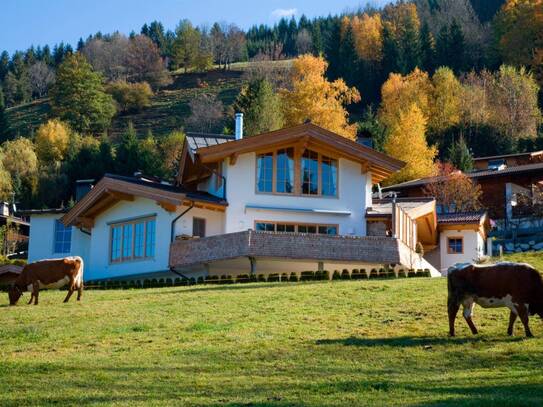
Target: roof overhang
[
  {"x": 109, "y": 191},
  {"x": 480, "y": 225},
  {"x": 307, "y": 135}
]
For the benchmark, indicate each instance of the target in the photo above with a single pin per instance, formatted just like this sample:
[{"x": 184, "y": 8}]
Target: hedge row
[{"x": 356, "y": 274}]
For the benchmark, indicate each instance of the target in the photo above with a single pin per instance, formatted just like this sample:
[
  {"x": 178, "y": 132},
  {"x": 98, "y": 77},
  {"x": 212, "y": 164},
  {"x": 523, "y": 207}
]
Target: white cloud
[{"x": 284, "y": 12}]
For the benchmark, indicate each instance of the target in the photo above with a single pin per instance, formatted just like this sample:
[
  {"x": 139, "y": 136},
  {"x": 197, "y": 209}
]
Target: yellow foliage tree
[
  {"x": 446, "y": 105},
  {"x": 312, "y": 97},
  {"x": 400, "y": 91},
  {"x": 368, "y": 36},
  {"x": 52, "y": 140},
  {"x": 407, "y": 142}
]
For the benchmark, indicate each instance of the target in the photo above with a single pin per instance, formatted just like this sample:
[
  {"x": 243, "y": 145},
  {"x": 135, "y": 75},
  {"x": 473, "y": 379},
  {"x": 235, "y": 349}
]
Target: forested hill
[{"x": 459, "y": 77}]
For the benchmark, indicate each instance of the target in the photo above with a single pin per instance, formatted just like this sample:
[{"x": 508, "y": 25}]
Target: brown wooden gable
[{"x": 303, "y": 136}]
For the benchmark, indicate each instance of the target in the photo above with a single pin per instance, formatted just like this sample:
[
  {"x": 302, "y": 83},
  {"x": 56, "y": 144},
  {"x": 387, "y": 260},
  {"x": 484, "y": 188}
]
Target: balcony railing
[{"x": 369, "y": 249}]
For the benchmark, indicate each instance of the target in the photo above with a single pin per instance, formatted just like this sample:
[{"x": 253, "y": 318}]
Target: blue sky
[{"x": 40, "y": 22}]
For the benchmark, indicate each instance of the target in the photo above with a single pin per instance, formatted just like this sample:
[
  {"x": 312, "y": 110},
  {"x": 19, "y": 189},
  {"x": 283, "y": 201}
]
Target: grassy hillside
[
  {"x": 535, "y": 259},
  {"x": 168, "y": 111},
  {"x": 302, "y": 344}
]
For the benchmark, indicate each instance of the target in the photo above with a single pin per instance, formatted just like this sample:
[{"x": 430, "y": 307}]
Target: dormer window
[{"x": 306, "y": 173}]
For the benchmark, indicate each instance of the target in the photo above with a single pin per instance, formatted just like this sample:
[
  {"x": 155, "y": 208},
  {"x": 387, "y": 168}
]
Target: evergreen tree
[
  {"x": 4, "y": 124},
  {"x": 442, "y": 46},
  {"x": 331, "y": 48},
  {"x": 348, "y": 56},
  {"x": 391, "y": 54},
  {"x": 410, "y": 56},
  {"x": 261, "y": 108},
  {"x": 80, "y": 44},
  {"x": 457, "y": 48},
  {"x": 127, "y": 157},
  {"x": 460, "y": 156},
  {"x": 4, "y": 65},
  {"x": 427, "y": 49},
  {"x": 78, "y": 96}
]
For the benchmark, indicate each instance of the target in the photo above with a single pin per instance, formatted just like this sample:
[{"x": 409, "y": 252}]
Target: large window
[
  {"x": 264, "y": 226},
  {"x": 199, "y": 227},
  {"x": 455, "y": 245},
  {"x": 312, "y": 174},
  {"x": 132, "y": 240},
  {"x": 63, "y": 238}
]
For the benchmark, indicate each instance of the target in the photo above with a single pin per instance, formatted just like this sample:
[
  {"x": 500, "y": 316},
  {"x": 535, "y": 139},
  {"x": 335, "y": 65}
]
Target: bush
[
  {"x": 336, "y": 275},
  {"x": 273, "y": 277},
  {"x": 326, "y": 275},
  {"x": 200, "y": 280},
  {"x": 192, "y": 281},
  {"x": 411, "y": 273},
  {"x": 307, "y": 276},
  {"x": 261, "y": 278},
  {"x": 374, "y": 273},
  {"x": 358, "y": 274},
  {"x": 293, "y": 277},
  {"x": 146, "y": 283},
  {"x": 130, "y": 97},
  {"x": 226, "y": 279},
  {"x": 345, "y": 275},
  {"x": 284, "y": 277},
  {"x": 243, "y": 278},
  {"x": 212, "y": 279}
]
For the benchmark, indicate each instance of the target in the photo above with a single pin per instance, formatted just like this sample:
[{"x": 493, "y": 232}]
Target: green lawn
[
  {"x": 533, "y": 258},
  {"x": 278, "y": 344}
]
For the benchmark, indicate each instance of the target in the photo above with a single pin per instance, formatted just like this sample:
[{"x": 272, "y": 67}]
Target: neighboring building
[
  {"x": 291, "y": 200},
  {"x": 14, "y": 236},
  {"x": 501, "y": 178}
]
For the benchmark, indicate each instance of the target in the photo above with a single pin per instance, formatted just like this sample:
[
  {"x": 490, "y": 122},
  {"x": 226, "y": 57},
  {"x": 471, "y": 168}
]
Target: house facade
[{"x": 287, "y": 201}]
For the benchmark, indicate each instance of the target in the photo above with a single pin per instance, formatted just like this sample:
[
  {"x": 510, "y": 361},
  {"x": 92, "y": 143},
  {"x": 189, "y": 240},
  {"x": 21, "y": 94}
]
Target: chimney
[
  {"x": 239, "y": 126},
  {"x": 82, "y": 186}
]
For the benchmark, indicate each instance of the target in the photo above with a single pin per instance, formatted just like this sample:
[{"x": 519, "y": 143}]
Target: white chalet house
[{"x": 286, "y": 201}]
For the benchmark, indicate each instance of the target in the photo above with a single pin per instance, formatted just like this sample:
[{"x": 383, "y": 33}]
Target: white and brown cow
[
  {"x": 51, "y": 273},
  {"x": 516, "y": 286}
]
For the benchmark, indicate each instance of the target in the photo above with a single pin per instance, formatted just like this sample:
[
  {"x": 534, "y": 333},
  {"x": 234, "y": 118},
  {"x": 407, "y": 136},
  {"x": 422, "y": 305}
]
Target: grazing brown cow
[
  {"x": 516, "y": 286},
  {"x": 52, "y": 273}
]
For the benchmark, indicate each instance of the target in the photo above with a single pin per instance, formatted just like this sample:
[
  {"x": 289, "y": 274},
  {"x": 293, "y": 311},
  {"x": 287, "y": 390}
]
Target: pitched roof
[
  {"x": 380, "y": 165},
  {"x": 494, "y": 157},
  {"x": 460, "y": 218},
  {"x": 114, "y": 188},
  {"x": 199, "y": 140},
  {"x": 383, "y": 207},
  {"x": 519, "y": 169}
]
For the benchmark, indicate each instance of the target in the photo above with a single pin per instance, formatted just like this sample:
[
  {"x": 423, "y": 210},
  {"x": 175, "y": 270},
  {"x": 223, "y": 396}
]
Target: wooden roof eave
[{"x": 381, "y": 162}]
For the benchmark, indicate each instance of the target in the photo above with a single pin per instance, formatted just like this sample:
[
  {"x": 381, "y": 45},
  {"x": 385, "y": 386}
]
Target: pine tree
[
  {"x": 442, "y": 46},
  {"x": 410, "y": 56},
  {"x": 261, "y": 108},
  {"x": 427, "y": 49},
  {"x": 127, "y": 158},
  {"x": 348, "y": 55},
  {"x": 4, "y": 124},
  {"x": 460, "y": 155},
  {"x": 78, "y": 96},
  {"x": 457, "y": 48}
]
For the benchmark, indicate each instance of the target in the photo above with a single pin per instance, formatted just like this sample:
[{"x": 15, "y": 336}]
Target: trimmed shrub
[
  {"x": 411, "y": 273},
  {"x": 293, "y": 277},
  {"x": 427, "y": 273},
  {"x": 169, "y": 282},
  {"x": 243, "y": 278},
  {"x": 336, "y": 275},
  {"x": 212, "y": 279},
  {"x": 138, "y": 284},
  {"x": 374, "y": 274},
  {"x": 273, "y": 277},
  {"x": 200, "y": 280},
  {"x": 345, "y": 275},
  {"x": 326, "y": 275},
  {"x": 192, "y": 281},
  {"x": 307, "y": 276},
  {"x": 177, "y": 281},
  {"x": 146, "y": 283},
  {"x": 402, "y": 273},
  {"x": 284, "y": 278},
  {"x": 226, "y": 279},
  {"x": 261, "y": 278},
  {"x": 357, "y": 274}
]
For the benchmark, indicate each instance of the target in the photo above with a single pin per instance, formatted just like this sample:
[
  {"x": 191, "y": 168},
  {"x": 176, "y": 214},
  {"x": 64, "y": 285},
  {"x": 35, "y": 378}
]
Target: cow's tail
[{"x": 79, "y": 276}]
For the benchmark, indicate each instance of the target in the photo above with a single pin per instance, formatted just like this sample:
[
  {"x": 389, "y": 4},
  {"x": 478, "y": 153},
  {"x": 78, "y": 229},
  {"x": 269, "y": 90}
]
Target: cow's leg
[
  {"x": 523, "y": 315},
  {"x": 70, "y": 289},
  {"x": 468, "y": 314},
  {"x": 512, "y": 319},
  {"x": 35, "y": 291},
  {"x": 31, "y": 297},
  {"x": 452, "y": 308},
  {"x": 80, "y": 291}
]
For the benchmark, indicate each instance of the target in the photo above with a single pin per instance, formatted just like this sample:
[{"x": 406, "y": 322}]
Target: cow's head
[{"x": 14, "y": 294}]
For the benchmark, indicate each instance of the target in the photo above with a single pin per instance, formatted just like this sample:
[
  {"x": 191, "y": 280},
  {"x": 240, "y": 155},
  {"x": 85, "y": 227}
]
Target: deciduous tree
[
  {"x": 312, "y": 97},
  {"x": 52, "y": 140},
  {"x": 407, "y": 142},
  {"x": 453, "y": 190}
]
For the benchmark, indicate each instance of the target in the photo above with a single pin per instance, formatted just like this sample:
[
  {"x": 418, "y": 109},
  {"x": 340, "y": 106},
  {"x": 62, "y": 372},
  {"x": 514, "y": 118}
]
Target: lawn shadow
[{"x": 412, "y": 341}]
